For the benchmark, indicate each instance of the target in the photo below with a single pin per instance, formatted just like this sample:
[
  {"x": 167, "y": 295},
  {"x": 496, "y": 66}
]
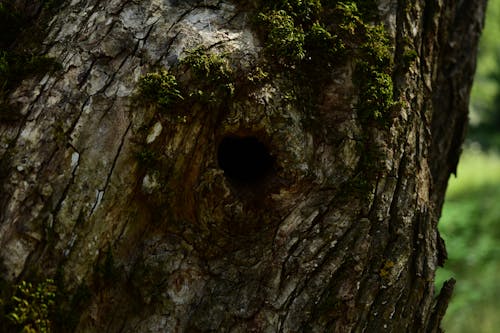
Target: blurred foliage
[
  {"x": 485, "y": 97},
  {"x": 470, "y": 222},
  {"x": 470, "y": 226}
]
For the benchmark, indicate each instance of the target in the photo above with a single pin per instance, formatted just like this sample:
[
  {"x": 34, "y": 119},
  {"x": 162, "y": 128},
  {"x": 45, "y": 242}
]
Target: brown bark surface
[{"x": 338, "y": 233}]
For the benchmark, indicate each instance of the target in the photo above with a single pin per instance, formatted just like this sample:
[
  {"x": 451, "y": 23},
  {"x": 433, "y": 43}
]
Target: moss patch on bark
[{"x": 310, "y": 37}]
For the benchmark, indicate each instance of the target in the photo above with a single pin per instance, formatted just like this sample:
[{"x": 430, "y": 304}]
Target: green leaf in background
[{"x": 470, "y": 226}]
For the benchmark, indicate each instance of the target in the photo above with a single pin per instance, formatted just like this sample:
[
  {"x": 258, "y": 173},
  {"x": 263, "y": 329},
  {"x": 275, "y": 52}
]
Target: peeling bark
[{"x": 193, "y": 249}]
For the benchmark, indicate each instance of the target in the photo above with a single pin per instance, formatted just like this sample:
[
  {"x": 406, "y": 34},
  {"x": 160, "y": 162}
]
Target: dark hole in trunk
[{"x": 245, "y": 160}]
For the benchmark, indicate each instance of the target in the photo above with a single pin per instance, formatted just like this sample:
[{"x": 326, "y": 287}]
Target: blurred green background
[{"x": 470, "y": 222}]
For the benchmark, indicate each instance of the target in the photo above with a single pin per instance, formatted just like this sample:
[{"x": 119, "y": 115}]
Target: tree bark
[{"x": 337, "y": 232}]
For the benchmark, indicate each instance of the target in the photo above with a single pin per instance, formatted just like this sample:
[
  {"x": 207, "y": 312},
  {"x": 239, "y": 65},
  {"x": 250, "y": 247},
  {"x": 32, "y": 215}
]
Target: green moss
[
  {"x": 210, "y": 66},
  {"x": 409, "y": 57},
  {"x": 43, "y": 306},
  {"x": 257, "y": 75},
  {"x": 285, "y": 40},
  {"x": 373, "y": 61},
  {"x": 212, "y": 75},
  {"x": 33, "y": 306},
  {"x": 303, "y": 11},
  {"x": 349, "y": 20},
  {"x": 376, "y": 96},
  {"x": 200, "y": 78},
  {"x": 336, "y": 34},
  {"x": 322, "y": 46},
  {"x": 311, "y": 36},
  {"x": 160, "y": 88},
  {"x": 201, "y": 82},
  {"x": 377, "y": 48}
]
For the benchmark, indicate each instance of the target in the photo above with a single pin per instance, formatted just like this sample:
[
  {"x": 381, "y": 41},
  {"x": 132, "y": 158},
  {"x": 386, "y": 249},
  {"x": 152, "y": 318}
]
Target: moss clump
[
  {"x": 201, "y": 77},
  {"x": 373, "y": 63},
  {"x": 291, "y": 29},
  {"x": 303, "y": 11},
  {"x": 257, "y": 75},
  {"x": 285, "y": 39},
  {"x": 322, "y": 45},
  {"x": 33, "y": 305},
  {"x": 409, "y": 57},
  {"x": 367, "y": 8},
  {"x": 311, "y": 36},
  {"x": 209, "y": 66},
  {"x": 295, "y": 31},
  {"x": 160, "y": 88},
  {"x": 212, "y": 77},
  {"x": 376, "y": 94}
]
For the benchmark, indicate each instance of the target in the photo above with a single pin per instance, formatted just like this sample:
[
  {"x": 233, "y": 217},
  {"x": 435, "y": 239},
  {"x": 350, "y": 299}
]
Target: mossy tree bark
[{"x": 273, "y": 204}]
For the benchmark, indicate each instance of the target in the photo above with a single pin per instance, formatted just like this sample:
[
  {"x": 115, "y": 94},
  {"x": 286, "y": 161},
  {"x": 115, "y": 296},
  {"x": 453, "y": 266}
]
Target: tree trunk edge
[
  {"x": 457, "y": 42},
  {"x": 441, "y": 306},
  {"x": 457, "y": 64}
]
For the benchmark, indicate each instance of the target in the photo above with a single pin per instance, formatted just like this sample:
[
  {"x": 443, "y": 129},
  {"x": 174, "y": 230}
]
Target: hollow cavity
[{"x": 244, "y": 159}]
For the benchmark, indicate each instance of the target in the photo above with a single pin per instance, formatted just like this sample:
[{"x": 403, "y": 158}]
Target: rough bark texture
[{"x": 178, "y": 246}]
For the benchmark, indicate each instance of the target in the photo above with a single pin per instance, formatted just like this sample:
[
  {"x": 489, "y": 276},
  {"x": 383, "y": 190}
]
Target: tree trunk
[{"x": 256, "y": 195}]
